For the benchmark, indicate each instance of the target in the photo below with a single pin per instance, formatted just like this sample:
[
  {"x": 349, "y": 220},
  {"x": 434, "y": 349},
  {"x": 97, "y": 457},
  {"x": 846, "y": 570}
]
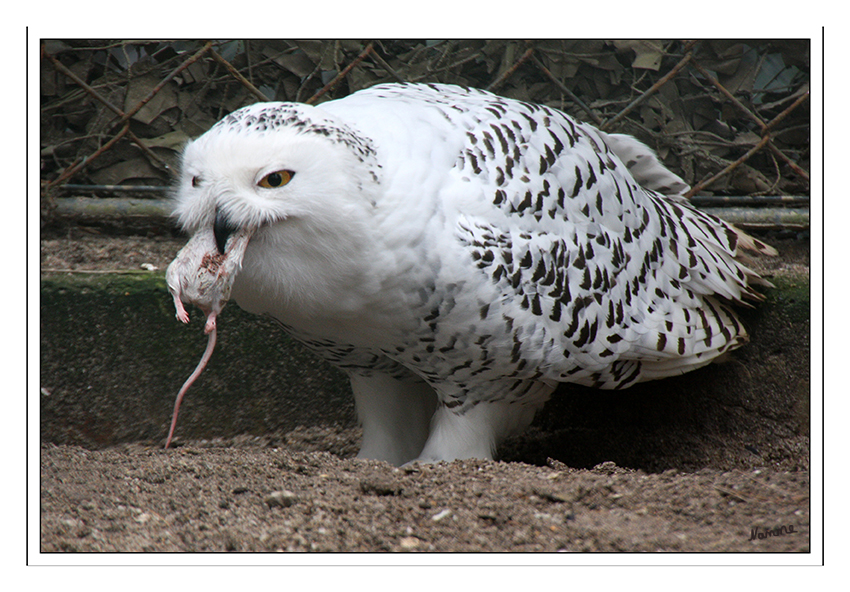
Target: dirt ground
[
  {"x": 249, "y": 496},
  {"x": 304, "y": 491}
]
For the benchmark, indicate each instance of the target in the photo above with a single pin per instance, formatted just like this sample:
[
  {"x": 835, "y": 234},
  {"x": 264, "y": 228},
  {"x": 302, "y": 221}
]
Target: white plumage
[{"x": 458, "y": 254}]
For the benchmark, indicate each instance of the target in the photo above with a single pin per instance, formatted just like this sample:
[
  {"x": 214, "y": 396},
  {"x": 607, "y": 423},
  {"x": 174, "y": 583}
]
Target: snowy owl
[{"x": 457, "y": 254}]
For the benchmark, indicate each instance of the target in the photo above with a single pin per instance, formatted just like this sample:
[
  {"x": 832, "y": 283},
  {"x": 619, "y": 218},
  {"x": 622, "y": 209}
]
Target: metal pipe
[
  {"x": 124, "y": 207},
  {"x": 697, "y": 200}
]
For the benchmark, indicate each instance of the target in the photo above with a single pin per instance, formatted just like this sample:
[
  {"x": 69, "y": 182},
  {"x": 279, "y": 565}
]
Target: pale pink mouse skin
[{"x": 202, "y": 276}]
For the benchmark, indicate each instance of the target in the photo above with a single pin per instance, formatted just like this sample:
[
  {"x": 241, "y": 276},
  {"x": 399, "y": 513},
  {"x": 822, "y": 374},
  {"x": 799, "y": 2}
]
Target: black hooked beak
[{"x": 222, "y": 229}]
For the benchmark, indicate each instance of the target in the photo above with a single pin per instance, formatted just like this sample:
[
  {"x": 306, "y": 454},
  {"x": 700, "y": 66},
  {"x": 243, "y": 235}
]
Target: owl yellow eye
[{"x": 276, "y": 179}]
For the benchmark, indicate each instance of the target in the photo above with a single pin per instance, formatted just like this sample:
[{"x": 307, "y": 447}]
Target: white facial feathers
[{"x": 222, "y": 169}]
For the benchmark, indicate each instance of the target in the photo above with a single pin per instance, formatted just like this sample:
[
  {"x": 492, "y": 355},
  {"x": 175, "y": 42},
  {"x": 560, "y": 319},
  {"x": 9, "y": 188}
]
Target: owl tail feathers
[
  {"x": 644, "y": 166},
  {"x": 748, "y": 244}
]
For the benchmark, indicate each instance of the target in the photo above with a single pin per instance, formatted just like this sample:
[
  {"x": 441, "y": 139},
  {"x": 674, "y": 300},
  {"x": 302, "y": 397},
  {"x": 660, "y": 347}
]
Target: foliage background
[{"x": 118, "y": 112}]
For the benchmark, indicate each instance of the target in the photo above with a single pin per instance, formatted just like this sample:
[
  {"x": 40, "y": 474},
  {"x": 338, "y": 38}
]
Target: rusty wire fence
[{"x": 731, "y": 117}]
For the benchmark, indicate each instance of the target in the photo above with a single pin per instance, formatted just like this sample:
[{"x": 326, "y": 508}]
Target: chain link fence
[{"x": 732, "y": 117}]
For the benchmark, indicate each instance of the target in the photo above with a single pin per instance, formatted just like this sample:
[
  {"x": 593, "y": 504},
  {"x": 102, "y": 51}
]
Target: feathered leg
[{"x": 395, "y": 415}]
